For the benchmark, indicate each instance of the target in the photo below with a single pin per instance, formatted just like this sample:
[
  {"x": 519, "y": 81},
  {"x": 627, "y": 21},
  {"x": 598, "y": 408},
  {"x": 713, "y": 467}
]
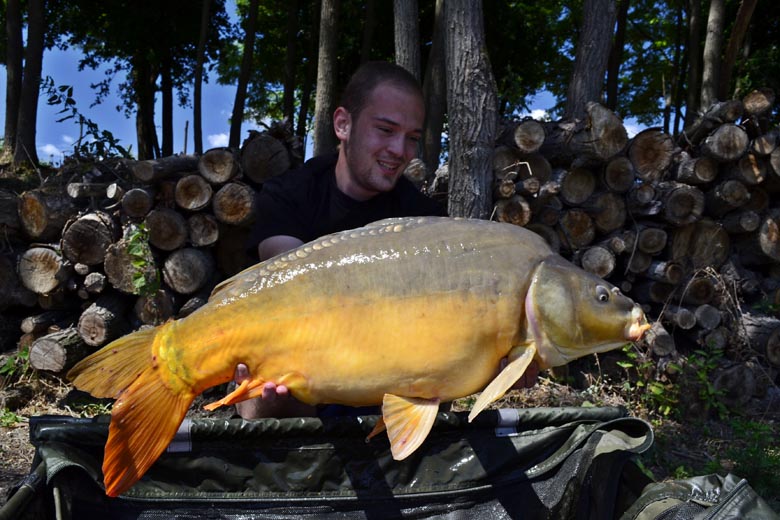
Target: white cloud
[
  {"x": 50, "y": 151},
  {"x": 540, "y": 115},
  {"x": 68, "y": 140},
  {"x": 216, "y": 140}
]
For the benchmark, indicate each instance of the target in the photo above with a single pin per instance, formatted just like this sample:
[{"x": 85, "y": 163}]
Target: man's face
[{"x": 380, "y": 142}]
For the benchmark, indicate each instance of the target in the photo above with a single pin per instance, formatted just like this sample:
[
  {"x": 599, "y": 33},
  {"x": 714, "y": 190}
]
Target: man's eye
[{"x": 384, "y": 130}]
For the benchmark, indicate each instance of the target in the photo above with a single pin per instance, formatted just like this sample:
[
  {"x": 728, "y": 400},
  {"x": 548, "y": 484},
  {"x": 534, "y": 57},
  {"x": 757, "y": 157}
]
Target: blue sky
[{"x": 55, "y": 140}]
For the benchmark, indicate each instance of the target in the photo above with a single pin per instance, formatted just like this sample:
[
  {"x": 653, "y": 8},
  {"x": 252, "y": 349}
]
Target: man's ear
[{"x": 342, "y": 120}]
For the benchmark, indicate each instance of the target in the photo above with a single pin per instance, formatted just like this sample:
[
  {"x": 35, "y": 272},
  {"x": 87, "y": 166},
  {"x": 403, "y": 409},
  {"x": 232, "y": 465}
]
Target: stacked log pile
[
  {"x": 685, "y": 226},
  {"x": 92, "y": 255}
]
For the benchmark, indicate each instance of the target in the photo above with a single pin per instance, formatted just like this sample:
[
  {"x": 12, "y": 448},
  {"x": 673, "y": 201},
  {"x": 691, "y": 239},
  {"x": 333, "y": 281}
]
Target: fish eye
[{"x": 602, "y": 293}]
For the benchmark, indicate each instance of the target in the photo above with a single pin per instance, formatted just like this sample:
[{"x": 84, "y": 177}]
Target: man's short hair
[{"x": 372, "y": 74}]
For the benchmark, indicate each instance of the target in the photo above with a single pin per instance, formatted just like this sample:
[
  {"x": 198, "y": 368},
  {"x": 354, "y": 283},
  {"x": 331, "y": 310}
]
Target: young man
[{"x": 379, "y": 125}]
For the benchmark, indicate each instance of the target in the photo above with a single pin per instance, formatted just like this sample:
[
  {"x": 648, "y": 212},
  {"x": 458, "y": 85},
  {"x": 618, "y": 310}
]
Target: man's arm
[{"x": 275, "y": 245}]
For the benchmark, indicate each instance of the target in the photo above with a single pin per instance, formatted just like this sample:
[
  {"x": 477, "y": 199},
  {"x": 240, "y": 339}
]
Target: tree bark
[
  {"x": 290, "y": 62},
  {"x": 42, "y": 214},
  {"x": 42, "y": 269},
  {"x": 407, "y": 35},
  {"x": 593, "y": 47},
  {"x": 616, "y": 55},
  {"x": 197, "y": 91},
  {"x": 152, "y": 171},
  {"x": 25, "y": 150},
  {"x": 744, "y": 14},
  {"x": 13, "y": 80},
  {"x": 435, "y": 92},
  {"x": 694, "y": 61},
  {"x": 651, "y": 152},
  {"x": 472, "y": 109},
  {"x": 138, "y": 202},
  {"x": 244, "y": 75},
  {"x": 713, "y": 46},
  {"x": 203, "y": 229},
  {"x": 369, "y": 26},
  {"x": 325, "y": 102}
]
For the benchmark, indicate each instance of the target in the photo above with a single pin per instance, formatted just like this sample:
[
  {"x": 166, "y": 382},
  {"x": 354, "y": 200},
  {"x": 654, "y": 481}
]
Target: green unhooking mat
[{"x": 530, "y": 463}]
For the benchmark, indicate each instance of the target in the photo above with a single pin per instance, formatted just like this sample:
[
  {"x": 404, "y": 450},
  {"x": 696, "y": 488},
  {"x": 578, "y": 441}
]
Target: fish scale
[{"x": 405, "y": 313}]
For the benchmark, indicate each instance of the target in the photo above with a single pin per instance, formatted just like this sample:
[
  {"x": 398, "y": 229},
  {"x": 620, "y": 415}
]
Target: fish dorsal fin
[
  {"x": 505, "y": 379},
  {"x": 408, "y": 421}
]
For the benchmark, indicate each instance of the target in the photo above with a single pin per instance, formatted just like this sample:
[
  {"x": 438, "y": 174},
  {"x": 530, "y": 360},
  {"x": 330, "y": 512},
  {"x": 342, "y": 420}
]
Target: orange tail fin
[{"x": 147, "y": 412}]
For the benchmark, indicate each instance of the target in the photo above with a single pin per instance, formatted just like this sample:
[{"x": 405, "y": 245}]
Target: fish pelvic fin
[
  {"x": 247, "y": 389},
  {"x": 114, "y": 367},
  {"x": 505, "y": 379},
  {"x": 408, "y": 421},
  {"x": 144, "y": 420}
]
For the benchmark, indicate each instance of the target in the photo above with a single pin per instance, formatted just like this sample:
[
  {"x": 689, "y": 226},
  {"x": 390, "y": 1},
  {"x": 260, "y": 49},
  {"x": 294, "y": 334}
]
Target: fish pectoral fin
[
  {"x": 408, "y": 421},
  {"x": 247, "y": 389},
  {"x": 505, "y": 379}
]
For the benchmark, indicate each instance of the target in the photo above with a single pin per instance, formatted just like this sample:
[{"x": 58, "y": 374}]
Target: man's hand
[
  {"x": 276, "y": 400},
  {"x": 529, "y": 378}
]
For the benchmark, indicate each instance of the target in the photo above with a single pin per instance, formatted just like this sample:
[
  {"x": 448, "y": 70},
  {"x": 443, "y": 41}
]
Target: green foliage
[
  {"x": 93, "y": 143},
  {"x": 640, "y": 383},
  {"x": 146, "y": 276},
  {"x": 16, "y": 366},
  {"x": 9, "y": 419},
  {"x": 702, "y": 363}
]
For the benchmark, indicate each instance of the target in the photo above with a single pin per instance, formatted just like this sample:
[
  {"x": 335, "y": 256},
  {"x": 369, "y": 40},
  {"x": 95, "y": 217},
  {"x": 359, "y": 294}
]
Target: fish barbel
[{"x": 406, "y": 313}]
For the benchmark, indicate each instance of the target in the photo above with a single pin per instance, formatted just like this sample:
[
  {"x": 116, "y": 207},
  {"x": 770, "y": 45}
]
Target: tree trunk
[
  {"x": 197, "y": 91},
  {"x": 744, "y": 14},
  {"x": 290, "y": 62},
  {"x": 616, "y": 56},
  {"x": 151, "y": 171},
  {"x": 407, "y": 35},
  {"x": 369, "y": 26},
  {"x": 651, "y": 152},
  {"x": 166, "y": 89},
  {"x": 302, "y": 129},
  {"x": 155, "y": 308},
  {"x": 713, "y": 46},
  {"x": 694, "y": 61},
  {"x": 325, "y": 102},
  {"x": 13, "y": 80},
  {"x": 143, "y": 86},
  {"x": 25, "y": 150},
  {"x": 472, "y": 109},
  {"x": 435, "y": 92},
  {"x": 244, "y": 75},
  {"x": 593, "y": 47},
  {"x": 218, "y": 165}
]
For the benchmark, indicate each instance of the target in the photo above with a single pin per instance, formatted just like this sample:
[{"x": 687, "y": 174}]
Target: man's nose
[{"x": 397, "y": 145}]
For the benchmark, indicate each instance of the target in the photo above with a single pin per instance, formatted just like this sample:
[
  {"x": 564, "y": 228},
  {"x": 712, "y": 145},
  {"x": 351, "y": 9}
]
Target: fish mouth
[{"x": 638, "y": 325}]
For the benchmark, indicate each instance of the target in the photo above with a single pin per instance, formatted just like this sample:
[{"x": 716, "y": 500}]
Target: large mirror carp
[{"x": 406, "y": 313}]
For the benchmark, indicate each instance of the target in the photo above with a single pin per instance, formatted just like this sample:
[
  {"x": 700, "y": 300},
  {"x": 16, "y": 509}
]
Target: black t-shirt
[{"x": 306, "y": 204}]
